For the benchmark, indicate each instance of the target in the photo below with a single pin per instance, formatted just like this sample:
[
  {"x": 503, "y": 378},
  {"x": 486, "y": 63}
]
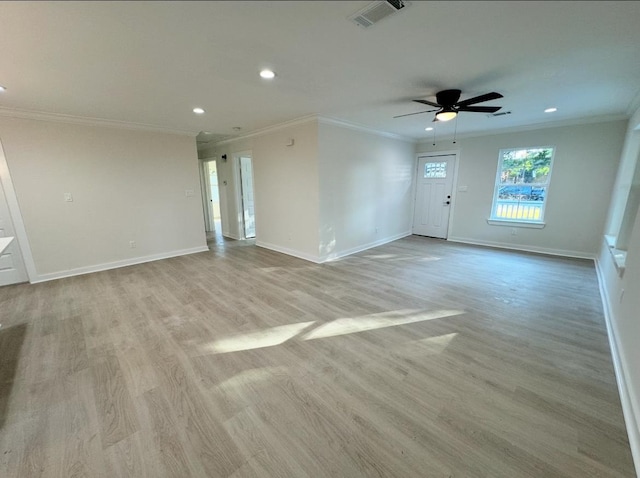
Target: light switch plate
[
  {"x": 188, "y": 192},
  {"x": 68, "y": 197}
]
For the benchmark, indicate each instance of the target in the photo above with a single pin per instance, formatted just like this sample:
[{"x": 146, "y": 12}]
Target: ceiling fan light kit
[{"x": 446, "y": 115}]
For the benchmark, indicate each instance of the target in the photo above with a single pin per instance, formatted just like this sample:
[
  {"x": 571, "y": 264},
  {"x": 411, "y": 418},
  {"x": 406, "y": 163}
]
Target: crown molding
[
  {"x": 319, "y": 119},
  {"x": 533, "y": 127},
  {"x": 634, "y": 105},
  {"x": 267, "y": 130},
  {"x": 87, "y": 121},
  {"x": 364, "y": 129}
]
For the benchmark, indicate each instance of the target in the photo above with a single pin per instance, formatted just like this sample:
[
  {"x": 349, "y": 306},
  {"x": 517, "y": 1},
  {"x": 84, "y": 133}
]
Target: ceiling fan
[{"x": 449, "y": 106}]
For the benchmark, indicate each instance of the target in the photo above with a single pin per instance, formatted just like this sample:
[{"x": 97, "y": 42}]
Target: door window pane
[{"x": 435, "y": 170}]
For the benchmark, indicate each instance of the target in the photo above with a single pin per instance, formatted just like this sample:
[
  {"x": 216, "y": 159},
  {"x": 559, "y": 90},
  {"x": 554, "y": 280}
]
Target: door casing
[{"x": 454, "y": 187}]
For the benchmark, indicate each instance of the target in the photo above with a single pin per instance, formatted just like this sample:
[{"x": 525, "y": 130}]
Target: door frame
[
  {"x": 21, "y": 239},
  {"x": 237, "y": 179},
  {"x": 454, "y": 185},
  {"x": 205, "y": 187}
]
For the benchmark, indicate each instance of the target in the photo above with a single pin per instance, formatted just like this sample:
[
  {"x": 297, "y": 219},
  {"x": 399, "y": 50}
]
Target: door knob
[{"x": 446, "y": 203}]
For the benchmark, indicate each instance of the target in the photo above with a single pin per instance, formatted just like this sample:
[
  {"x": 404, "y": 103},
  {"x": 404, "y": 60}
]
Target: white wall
[
  {"x": 285, "y": 180},
  {"x": 337, "y": 190},
  {"x": 621, "y": 294},
  {"x": 584, "y": 170},
  {"x": 366, "y": 189},
  {"x": 126, "y": 185}
]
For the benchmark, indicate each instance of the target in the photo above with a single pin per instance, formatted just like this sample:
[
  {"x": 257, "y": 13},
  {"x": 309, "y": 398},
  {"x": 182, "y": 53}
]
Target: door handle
[{"x": 446, "y": 203}]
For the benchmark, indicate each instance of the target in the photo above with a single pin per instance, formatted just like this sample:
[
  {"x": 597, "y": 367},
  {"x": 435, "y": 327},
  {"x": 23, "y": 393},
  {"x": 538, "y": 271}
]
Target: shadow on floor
[{"x": 11, "y": 340}]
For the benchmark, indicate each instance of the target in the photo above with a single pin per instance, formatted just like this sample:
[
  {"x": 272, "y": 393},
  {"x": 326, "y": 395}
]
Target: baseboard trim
[
  {"x": 231, "y": 236},
  {"x": 289, "y": 252},
  {"x": 116, "y": 264},
  {"x": 630, "y": 417},
  {"x": 537, "y": 250},
  {"x": 339, "y": 255}
]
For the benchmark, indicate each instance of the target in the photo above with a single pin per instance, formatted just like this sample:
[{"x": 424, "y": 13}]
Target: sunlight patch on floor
[
  {"x": 429, "y": 346},
  {"x": 381, "y": 256},
  {"x": 258, "y": 339},
  {"x": 351, "y": 325},
  {"x": 253, "y": 376}
]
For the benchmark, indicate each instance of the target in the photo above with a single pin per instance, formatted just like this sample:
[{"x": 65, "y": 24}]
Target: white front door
[
  {"x": 12, "y": 268},
  {"x": 433, "y": 195}
]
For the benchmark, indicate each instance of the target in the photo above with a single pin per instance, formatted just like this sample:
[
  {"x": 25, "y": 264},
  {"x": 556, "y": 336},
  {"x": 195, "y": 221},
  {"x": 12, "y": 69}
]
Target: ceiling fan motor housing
[{"x": 448, "y": 97}]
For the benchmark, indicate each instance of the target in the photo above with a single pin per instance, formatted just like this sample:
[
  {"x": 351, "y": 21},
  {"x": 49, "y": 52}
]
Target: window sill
[
  {"x": 619, "y": 256},
  {"x": 610, "y": 240},
  {"x": 507, "y": 222},
  {"x": 619, "y": 260}
]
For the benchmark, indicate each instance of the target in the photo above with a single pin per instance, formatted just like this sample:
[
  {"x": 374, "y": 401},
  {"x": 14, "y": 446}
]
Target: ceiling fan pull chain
[{"x": 455, "y": 130}]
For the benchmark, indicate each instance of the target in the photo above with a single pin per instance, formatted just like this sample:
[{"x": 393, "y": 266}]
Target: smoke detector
[{"x": 376, "y": 11}]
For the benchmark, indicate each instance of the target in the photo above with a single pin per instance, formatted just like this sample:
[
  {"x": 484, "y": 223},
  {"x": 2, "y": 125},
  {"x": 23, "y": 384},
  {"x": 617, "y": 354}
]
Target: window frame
[{"x": 536, "y": 223}]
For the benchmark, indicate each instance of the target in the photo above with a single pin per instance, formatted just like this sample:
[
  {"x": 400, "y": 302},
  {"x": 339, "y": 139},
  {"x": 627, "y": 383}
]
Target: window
[
  {"x": 435, "y": 170},
  {"x": 522, "y": 182}
]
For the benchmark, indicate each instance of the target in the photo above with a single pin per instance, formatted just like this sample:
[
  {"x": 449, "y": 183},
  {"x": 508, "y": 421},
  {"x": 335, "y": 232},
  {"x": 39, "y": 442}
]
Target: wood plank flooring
[{"x": 420, "y": 358}]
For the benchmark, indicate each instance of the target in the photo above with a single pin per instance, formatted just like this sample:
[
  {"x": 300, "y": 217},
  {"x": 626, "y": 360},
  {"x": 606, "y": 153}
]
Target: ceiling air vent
[
  {"x": 500, "y": 113},
  {"x": 376, "y": 11}
]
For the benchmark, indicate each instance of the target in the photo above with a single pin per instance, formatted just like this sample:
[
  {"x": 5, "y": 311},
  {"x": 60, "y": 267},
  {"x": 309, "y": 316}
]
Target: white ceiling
[{"x": 153, "y": 62}]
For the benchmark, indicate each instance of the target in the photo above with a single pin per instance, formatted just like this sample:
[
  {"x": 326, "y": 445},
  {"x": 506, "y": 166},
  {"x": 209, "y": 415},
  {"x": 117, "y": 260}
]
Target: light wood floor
[{"x": 419, "y": 358}]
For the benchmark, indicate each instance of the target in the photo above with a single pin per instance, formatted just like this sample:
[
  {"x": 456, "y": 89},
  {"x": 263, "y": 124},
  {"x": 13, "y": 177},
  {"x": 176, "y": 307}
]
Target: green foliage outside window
[{"x": 526, "y": 166}]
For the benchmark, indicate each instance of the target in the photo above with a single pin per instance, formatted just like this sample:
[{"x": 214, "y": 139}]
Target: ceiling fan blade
[
  {"x": 479, "y": 99},
  {"x": 429, "y": 103},
  {"x": 418, "y": 113},
  {"x": 480, "y": 109}
]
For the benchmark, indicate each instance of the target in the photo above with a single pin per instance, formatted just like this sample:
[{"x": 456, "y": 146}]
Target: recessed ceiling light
[
  {"x": 198, "y": 111},
  {"x": 551, "y": 110},
  {"x": 429, "y": 129},
  {"x": 2, "y": 88},
  {"x": 267, "y": 74}
]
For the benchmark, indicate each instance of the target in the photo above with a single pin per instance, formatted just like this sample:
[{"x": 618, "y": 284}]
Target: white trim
[
  {"x": 319, "y": 119},
  {"x": 205, "y": 194},
  {"x": 16, "y": 216},
  {"x": 268, "y": 129},
  {"x": 626, "y": 397},
  {"x": 498, "y": 183},
  {"x": 516, "y": 223},
  {"x": 364, "y": 129},
  {"x": 610, "y": 240},
  {"x": 634, "y": 105},
  {"x": 4, "y": 243},
  {"x": 363, "y": 247},
  {"x": 525, "y": 248},
  {"x": 289, "y": 252},
  {"x": 424, "y": 142},
  {"x": 231, "y": 236},
  {"x": 117, "y": 264},
  {"x": 88, "y": 121},
  {"x": 454, "y": 185},
  {"x": 237, "y": 178}
]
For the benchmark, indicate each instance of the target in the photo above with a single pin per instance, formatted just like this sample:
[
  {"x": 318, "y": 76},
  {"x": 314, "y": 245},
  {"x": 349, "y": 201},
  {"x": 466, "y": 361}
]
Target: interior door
[
  {"x": 433, "y": 195},
  {"x": 246, "y": 183},
  {"x": 12, "y": 269}
]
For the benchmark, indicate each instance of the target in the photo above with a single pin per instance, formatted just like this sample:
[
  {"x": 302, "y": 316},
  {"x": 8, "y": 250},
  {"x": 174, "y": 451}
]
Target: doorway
[
  {"x": 213, "y": 204},
  {"x": 12, "y": 266},
  {"x": 434, "y": 185},
  {"x": 246, "y": 197},
  {"x": 214, "y": 199}
]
